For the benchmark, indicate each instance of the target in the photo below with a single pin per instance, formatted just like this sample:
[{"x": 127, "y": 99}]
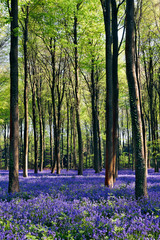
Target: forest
[{"x": 79, "y": 119}]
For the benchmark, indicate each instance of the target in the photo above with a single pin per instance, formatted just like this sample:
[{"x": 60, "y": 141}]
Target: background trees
[{"x": 71, "y": 92}]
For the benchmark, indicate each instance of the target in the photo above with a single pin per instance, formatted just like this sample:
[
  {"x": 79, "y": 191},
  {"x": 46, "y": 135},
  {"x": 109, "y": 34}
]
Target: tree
[
  {"x": 32, "y": 79},
  {"x": 106, "y": 5},
  {"x": 25, "y": 11},
  {"x": 80, "y": 143},
  {"x": 14, "y": 125},
  {"x": 135, "y": 105}
]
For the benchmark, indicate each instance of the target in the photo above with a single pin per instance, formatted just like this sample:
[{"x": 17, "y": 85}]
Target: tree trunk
[
  {"x": 44, "y": 142},
  {"x": 67, "y": 135},
  {"x": 53, "y": 49},
  {"x": 109, "y": 175},
  {"x": 35, "y": 130},
  {"x": 56, "y": 110},
  {"x": 80, "y": 143},
  {"x": 140, "y": 166},
  {"x": 99, "y": 143},
  {"x": 74, "y": 141},
  {"x": 34, "y": 117},
  {"x": 38, "y": 91},
  {"x": 5, "y": 146},
  {"x": 25, "y": 38},
  {"x": 94, "y": 120},
  {"x": 115, "y": 84},
  {"x": 71, "y": 137},
  {"x": 128, "y": 136},
  {"x": 14, "y": 125},
  {"x": 62, "y": 141},
  {"x": 51, "y": 133}
]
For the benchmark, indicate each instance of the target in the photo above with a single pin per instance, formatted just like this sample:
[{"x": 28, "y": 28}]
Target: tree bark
[
  {"x": 25, "y": 39},
  {"x": 80, "y": 143},
  {"x": 74, "y": 141},
  {"x": 67, "y": 134},
  {"x": 140, "y": 166},
  {"x": 38, "y": 91},
  {"x": 57, "y": 90},
  {"x": 94, "y": 119},
  {"x": 34, "y": 117},
  {"x": 71, "y": 137},
  {"x": 115, "y": 84},
  {"x": 109, "y": 175},
  {"x": 5, "y": 146},
  {"x": 99, "y": 144},
  {"x": 14, "y": 124},
  {"x": 128, "y": 143},
  {"x": 51, "y": 133},
  {"x": 44, "y": 142}
]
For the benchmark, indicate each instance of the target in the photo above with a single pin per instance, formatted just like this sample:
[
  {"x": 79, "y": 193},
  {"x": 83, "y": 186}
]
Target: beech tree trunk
[
  {"x": 67, "y": 134},
  {"x": 99, "y": 144},
  {"x": 74, "y": 141},
  {"x": 25, "y": 38},
  {"x": 14, "y": 124},
  {"x": 115, "y": 84},
  {"x": 44, "y": 142},
  {"x": 57, "y": 90},
  {"x": 38, "y": 90},
  {"x": 51, "y": 133},
  {"x": 71, "y": 137},
  {"x": 34, "y": 117},
  {"x": 140, "y": 165},
  {"x": 80, "y": 143},
  {"x": 109, "y": 175},
  {"x": 5, "y": 146},
  {"x": 94, "y": 120}
]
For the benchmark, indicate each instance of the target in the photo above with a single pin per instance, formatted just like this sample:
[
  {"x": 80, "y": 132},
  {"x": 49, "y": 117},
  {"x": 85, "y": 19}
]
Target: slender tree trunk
[
  {"x": 25, "y": 39},
  {"x": 99, "y": 143},
  {"x": 62, "y": 141},
  {"x": 141, "y": 180},
  {"x": 21, "y": 145},
  {"x": 74, "y": 141},
  {"x": 56, "y": 111},
  {"x": 80, "y": 143},
  {"x": 14, "y": 125},
  {"x": 44, "y": 142},
  {"x": 53, "y": 49},
  {"x": 128, "y": 136},
  {"x": 41, "y": 142},
  {"x": 67, "y": 135},
  {"x": 115, "y": 84},
  {"x": 149, "y": 139},
  {"x": 87, "y": 144},
  {"x": 34, "y": 117},
  {"x": 38, "y": 91},
  {"x": 5, "y": 146},
  {"x": 57, "y": 150},
  {"x": 71, "y": 137},
  {"x": 138, "y": 70},
  {"x": 35, "y": 130},
  {"x": 94, "y": 120},
  {"x": 51, "y": 133},
  {"x": 58, "y": 138}
]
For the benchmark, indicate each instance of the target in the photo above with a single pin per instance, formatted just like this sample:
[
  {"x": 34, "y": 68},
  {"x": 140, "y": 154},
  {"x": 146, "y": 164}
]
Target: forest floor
[{"x": 71, "y": 207}]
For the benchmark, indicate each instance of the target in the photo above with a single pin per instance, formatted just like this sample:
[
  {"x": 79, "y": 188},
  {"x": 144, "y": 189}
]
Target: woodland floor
[{"x": 79, "y": 207}]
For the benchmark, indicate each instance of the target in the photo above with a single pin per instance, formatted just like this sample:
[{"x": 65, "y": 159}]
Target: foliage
[{"x": 4, "y": 97}]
